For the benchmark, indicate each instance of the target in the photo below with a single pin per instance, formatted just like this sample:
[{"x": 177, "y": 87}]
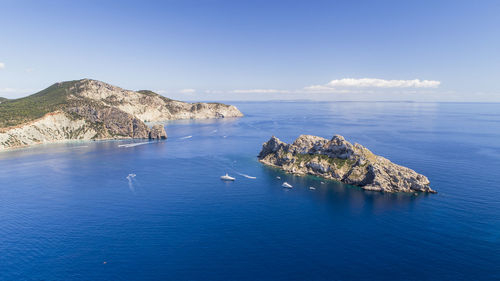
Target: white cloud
[
  {"x": 161, "y": 92},
  {"x": 259, "y": 91},
  {"x": 247, "y": 91},
  {"x": 187, "y": 91},
  {"x": 13, "y": 93},
  {"x": 2, "y": 65},
  {"x": 13, "y": 90},
  {"x": 334, "y": 85},
  {"x": 347, "y": 88},
  {"x": 214, "y": 92}
]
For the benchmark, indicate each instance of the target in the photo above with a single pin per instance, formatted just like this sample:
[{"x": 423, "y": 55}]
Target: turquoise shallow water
[{"x": 68, "y": 212}]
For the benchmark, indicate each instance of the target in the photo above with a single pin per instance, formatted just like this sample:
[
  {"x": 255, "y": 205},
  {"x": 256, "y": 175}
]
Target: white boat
[
  {"x": 287, "y": 185},
  {"x": 312, "y": 188},
  {"x": 278, "y": 178},
  {"x": 226, "y": 177}
]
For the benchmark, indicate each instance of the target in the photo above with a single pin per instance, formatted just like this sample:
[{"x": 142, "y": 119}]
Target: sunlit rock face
[
  {"x": 338, "y": 159},
  {"x": 157, "y": 132},
  {"x": 93, "y": 110}
]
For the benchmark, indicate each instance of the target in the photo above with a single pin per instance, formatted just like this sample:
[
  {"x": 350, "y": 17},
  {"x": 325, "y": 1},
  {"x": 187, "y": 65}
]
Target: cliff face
[
  {"x": 111, "y": 121},
  {"x": 53, "y": 127},
  {"x": 157, "y": 132},
  {"x": 90, "y": 110},
  {"x": 340, "y": 160},
  {"x": 149, "y": 106}
]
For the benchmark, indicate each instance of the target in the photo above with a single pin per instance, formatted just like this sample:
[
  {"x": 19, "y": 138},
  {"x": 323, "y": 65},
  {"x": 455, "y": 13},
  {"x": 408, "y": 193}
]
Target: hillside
[
  {"x": 19, "y": 111},
  {"x": 338, "y": 159},
  {"x": 91, "y": 109}
]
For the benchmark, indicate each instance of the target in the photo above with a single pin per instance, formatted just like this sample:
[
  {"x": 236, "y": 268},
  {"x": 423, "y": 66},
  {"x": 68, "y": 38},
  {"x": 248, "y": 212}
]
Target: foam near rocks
[{"x": 340, "y": 160}]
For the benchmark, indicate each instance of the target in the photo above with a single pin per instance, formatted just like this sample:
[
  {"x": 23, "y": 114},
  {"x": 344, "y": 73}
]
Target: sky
[{"x": 257, "y": 50}]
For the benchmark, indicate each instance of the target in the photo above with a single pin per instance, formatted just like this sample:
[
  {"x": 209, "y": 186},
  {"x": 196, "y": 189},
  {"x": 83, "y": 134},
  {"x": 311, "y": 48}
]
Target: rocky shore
[
  {"x": 93, "y": 110},
  {"x": 338, "y": 159}
]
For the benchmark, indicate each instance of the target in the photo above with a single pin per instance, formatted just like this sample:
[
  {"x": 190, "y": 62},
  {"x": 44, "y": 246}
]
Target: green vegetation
[
  {"x": 153, "y": 94},
  {"x": 19, "y": 111},
  {"x": 147, "y": 93},
  {"x": 339, "y": 163},
  {"x": 112, "y": 100}
]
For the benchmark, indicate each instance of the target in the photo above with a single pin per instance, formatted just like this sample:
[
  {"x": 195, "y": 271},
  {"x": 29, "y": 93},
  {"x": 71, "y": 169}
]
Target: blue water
[{"x": 68, "y": 212}]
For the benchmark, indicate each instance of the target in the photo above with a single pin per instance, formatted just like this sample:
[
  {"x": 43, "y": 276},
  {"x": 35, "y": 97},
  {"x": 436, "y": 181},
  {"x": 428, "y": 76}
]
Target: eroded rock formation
[
  {"x": 89, "y": 110},
  {"x": 338, "y": 159}
]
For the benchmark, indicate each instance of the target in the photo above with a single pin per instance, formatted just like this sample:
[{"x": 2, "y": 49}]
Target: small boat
[
  {"x": 287, "y": 185},
  {"x": 278, "y": 178},
  {"x": 312, "y": 188},
  {"x": 226, "y": 177},
  {"x": 322, "y": 182}
]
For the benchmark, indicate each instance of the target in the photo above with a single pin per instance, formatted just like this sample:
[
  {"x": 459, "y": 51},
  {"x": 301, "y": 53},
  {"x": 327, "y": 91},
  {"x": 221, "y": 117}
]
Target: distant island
[
  {"x": 93, "y": 110},
  {"x": 338, "y": 159}
]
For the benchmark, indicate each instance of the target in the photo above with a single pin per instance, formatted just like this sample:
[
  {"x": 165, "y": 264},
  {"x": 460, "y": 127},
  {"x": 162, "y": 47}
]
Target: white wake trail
[
  {"x": 134, "y": 144},
  {"x": 246, "y": 176},
  {"x": 131, "y": 178},
  {"x": 80, "y": 146}
]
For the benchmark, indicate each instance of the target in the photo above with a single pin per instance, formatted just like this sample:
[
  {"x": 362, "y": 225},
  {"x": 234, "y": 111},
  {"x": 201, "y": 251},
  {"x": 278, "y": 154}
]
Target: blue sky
[{"x": 245, "y": 50}]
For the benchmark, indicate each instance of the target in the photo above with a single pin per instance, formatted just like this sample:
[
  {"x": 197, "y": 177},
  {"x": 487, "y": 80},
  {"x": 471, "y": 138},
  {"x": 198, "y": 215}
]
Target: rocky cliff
[
  {"x": 90, "y": 110},
  {"x": 157, "y": 132},
  {"x": 147, "y": 105},
  {"x": 338, "y": 159}
]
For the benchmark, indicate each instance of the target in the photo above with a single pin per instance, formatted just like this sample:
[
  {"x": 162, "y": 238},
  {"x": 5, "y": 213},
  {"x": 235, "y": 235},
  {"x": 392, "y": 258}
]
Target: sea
[{"x": 158, "y": 210}]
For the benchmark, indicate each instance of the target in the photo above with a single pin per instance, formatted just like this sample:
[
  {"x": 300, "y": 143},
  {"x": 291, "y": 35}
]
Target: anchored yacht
[{"x": 226, "y": 177}]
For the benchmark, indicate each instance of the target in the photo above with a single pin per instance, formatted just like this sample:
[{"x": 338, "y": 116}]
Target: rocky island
[
  {"x": 93, "y": 110},
  {"x": 338, "y": 159}
]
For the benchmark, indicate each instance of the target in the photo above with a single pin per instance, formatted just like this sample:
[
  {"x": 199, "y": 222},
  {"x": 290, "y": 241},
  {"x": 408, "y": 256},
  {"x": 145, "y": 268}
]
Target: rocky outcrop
[
  {"x": 81, "y": 124},
  {"x": 157, "y": 132},
  {"x": 89, "y": 110},
  {"x": 147, "y": 105},
  {"x": 53, "y": 127},
  {"x": 338, "y": 159},
  {"x": 112, "y": 121}
]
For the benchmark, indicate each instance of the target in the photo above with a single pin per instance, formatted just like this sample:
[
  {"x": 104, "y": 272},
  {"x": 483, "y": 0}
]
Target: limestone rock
[
  {"x": 147, "y": 105},
  {"x": 340, "y": 160},
  {"x": 157, "y": 132},
  {"x": 89, "y": 110},
  {"x": 111, "y": 122}
]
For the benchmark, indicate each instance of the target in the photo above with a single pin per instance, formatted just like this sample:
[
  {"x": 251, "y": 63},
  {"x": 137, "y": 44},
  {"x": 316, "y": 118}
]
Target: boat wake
[
  {"x": 131, "y": 178},
  {"x": 134, "y": 144},
  {"x": 246, "y": 176},
  {"x": 186, "y": 137},
  {"x": 80, "y": 146},
  {"x": 228, "y": 164}
]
